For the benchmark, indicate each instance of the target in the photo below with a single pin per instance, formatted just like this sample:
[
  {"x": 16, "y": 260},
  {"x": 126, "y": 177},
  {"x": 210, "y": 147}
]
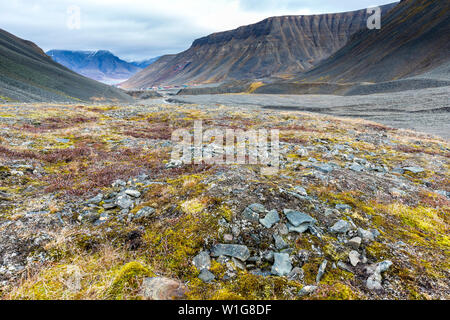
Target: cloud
[{"x": 140, "y": 29}]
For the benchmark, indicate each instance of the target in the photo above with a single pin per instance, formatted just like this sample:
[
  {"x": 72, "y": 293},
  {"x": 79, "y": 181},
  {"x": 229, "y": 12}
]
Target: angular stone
[
  {"x": 343, "y": 207},
  {"x": 341, "y": 226},
  {"x": 344, "y": 266},
  {"x": 301, "y": 191},
  {"x": 300, "y": 229},
  {"x": 258, "y": 208},
  {"x": 282, "y": 266},
  {"x": 307, "y": 290},
  {"x": 159, "y": 288},
  {"x": 296, "y": 274},
  {"x": 124, "y": 201},
  {"x": 145, "y": 212},
  {"x": 202, "y": 261},
  {"x": 355, "y": 243},
  {"x": 325, "y": 168},
  {"x": 271, "y": 219},
  {"x": 133, "y": 193},
  {"x": 253, "y": 211},
  {"x": 321, "y": 271},
  {"x": 354, "y": 258},
  {"x": 414, "y": 170},
  {"x": 297, "y": 218},
  {"x": 96, "y": 200},
  {"x": 357, "y": 167},
  {"x": 206, "y": 276},
  {"x": 237, "y": 251},
  {"x": 384, "y": 266},
  {"x": 280, "y": 244}
]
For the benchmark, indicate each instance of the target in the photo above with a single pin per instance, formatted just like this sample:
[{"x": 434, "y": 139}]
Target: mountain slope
[
  {"x": 275, "y": 46},
  {"x": 145, "y": 63},
  {"x": 98, "y": 65},
  {"x": 27, "y": 74},
  {"x": 414, "y": 38}
]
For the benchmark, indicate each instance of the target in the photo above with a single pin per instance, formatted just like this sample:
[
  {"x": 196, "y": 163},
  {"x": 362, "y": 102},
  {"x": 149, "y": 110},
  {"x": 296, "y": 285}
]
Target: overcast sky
[{"x": 141, "y": 29}]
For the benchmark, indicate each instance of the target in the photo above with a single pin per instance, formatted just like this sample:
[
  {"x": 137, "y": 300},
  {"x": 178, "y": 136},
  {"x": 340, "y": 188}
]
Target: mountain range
[
  {"x": 27, "y": 74},
  {"x": 99, "y": 65},
  {"x": 277, "y": 46}
]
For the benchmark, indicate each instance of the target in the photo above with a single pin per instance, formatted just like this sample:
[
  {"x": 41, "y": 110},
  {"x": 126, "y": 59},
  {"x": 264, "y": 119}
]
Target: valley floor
[
  {"x": 91, "y": 207},
  {"x": 425, "y": 110}
]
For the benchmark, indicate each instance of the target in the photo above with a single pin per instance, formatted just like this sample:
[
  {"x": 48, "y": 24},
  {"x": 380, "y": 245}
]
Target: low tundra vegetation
[{"x": 57, "y": 241}]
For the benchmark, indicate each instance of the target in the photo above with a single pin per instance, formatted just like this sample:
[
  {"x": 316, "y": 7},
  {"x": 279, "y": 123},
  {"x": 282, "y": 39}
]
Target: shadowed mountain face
[
  {"x": 277, "y": 46},
  {"x": 98, "y": 65},
  {"x": 414, "y": 39},
  {"x": 27, "y": 74}
]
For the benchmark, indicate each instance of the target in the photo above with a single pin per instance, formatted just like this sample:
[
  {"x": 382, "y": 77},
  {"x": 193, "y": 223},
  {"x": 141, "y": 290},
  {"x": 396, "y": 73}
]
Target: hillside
[
  {"x": 414, "y": 39},
  {"x": 99, "y": 65},
  {"x": 28, "y": 74},
  {"x": 277, "y": 46}
]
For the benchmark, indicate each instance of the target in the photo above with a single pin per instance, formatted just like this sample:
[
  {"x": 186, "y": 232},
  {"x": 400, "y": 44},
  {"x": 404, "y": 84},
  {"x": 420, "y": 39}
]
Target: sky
[{"x": 140, "y": 29}]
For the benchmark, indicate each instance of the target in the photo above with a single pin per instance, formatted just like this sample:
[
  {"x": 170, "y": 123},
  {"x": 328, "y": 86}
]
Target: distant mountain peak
[{"x": 100, "y": 65}]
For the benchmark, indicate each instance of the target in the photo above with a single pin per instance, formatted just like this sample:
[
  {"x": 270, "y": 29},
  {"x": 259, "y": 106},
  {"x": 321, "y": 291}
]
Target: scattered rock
[
  {"x": 206, "y": 276},
  {"x": 354, "y": 258},
  {"x": 341, "y": 226},
  {"x": 374, "y": 281},
  {"x": 159, "y": 288},
  {"x": 343, "y": 207},
  {"x": 297, "y": 218},
  {"x": 280, "y": 244},
  {"x": 124, "y": 201},
  {"x": 282, "y": 266},
  {"x": 301, "y": 191},
  {"x": 296, "y": 274},
  {"x": 322, "y": 270},
  {"x": 414, "y": 170},
  {"x": 271, "y": 219},
  {"x": 253, "y": 211},
  {"x": 96, "y": 200},
  {"x": 344, "y": 266},
  {"x": 133, "y": 193},
  {"x": 145, "y": 212},
  {"x": 240, "y": 252},
  {"x": 307, "y": 290},
  {"x": 202, "y": 261},
  {"x": 355, "y": 243}
]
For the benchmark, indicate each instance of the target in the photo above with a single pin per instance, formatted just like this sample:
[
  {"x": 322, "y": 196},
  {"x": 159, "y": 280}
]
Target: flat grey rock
[
  {"x": 321, "y": 272},
  {"x": 280, "y": 244},
  {"x": 297, "y": 218},
  {"x": 206, "y": 276},
  {"x": 341, "y": 226},
  {"x": 282, "y": 265},
  {"x": 237, "y": 251},
  {"x": 202, "y": 261},
  {"x": 270, "y": 219}
]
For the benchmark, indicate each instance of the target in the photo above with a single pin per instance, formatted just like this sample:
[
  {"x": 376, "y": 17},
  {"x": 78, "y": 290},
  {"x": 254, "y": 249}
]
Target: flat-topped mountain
[
  {"x": 99, "y": 65},
  {"x": 277, "y": 46},
  {"x": 27, "y": 74}
]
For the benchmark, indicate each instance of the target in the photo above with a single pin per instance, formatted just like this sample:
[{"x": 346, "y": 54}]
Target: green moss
[{"x": 127, "y": 281}]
